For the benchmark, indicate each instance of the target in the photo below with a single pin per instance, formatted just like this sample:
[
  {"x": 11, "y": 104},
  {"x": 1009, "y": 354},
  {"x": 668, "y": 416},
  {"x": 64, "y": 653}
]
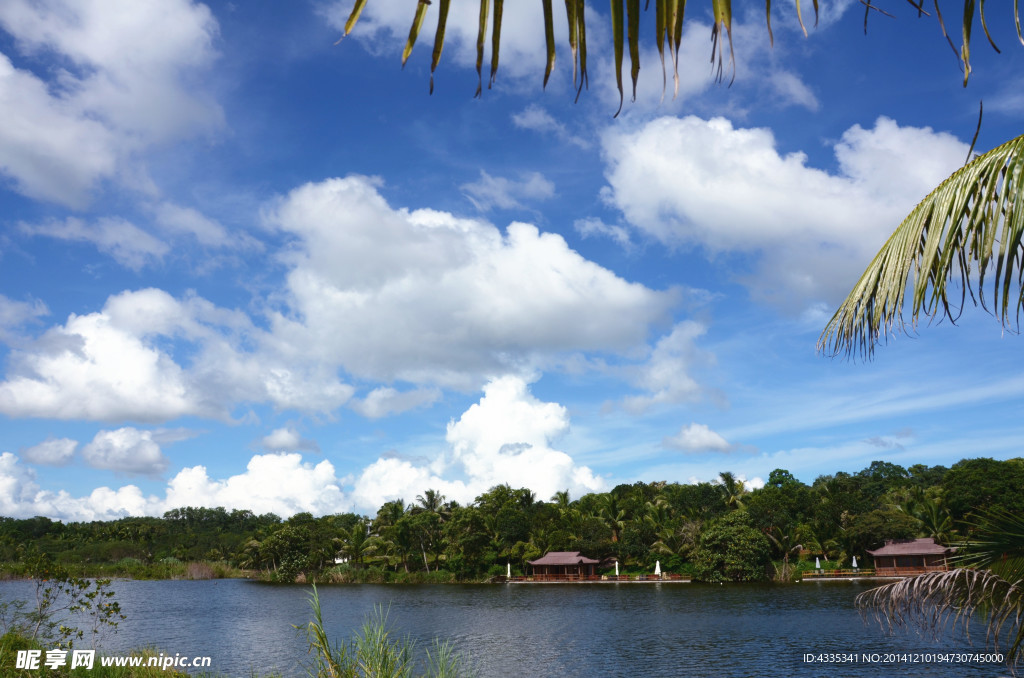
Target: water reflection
[{"x": 581, "y": 630}]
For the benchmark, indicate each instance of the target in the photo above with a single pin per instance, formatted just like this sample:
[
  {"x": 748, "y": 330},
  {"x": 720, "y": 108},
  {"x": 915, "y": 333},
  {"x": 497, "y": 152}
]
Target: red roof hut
[
  {"x": 563, "y": 565},
  {"x": 905, "y": 557}
]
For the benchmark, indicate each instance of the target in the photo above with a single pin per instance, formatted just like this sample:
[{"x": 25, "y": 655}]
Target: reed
[{"x": 374, "y": 651}]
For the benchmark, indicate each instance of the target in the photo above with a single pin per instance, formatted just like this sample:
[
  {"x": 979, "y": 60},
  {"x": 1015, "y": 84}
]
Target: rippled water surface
[{"x": 521, "y": 630}]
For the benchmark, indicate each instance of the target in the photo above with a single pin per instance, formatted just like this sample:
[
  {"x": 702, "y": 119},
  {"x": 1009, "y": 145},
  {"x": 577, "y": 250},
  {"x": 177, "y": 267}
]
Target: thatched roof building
[
  {"x": 564, "y": 563},
  {"x": 911, "y": 556}
]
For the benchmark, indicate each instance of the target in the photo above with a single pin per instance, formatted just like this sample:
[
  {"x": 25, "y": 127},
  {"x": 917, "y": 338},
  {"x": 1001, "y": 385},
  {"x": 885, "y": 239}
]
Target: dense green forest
[{"x": 714, "y": 531}]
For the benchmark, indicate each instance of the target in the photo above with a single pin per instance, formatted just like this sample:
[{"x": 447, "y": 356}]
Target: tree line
[{"x": 713, "y": 530}]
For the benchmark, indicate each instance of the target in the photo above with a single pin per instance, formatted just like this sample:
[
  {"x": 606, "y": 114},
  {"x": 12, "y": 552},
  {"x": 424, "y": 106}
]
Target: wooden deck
[
  {"x": 590, "y": 579},
  {"x": 879, "y": 572}
]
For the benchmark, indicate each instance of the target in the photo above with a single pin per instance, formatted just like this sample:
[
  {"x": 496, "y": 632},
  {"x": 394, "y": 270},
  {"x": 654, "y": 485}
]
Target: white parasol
[{"x": 657, "y": 568}]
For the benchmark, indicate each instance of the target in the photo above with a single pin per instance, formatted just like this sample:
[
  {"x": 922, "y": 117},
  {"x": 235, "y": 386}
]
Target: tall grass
[{"x": 374, "y": 651}]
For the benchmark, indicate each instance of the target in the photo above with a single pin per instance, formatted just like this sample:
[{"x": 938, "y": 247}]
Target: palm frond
[
  {"x": 941, "y": 601},
  {"x": 996, "y": 543},
  {"x": 668, "y": 28},
  {"x": 972, "y": 222}
]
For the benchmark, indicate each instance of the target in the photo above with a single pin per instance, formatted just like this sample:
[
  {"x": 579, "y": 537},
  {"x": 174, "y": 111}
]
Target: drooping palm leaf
[
  {"x": 668, "y": 27},
  {"x": 987, "y": 585},
  {"x": 972, "y": 223},
  {"x": 948, "y": 601}
]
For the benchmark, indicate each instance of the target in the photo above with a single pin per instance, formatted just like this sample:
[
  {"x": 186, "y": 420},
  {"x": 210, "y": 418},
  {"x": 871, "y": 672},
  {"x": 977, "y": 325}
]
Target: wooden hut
[
  {"x": 905, "y": 557},
  {"x": 563, "y": 565}
]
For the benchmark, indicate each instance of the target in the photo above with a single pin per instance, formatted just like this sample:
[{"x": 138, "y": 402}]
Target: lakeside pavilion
[
  {"x": 904, "y": 557},
  {"x": 564, "y": 564}
]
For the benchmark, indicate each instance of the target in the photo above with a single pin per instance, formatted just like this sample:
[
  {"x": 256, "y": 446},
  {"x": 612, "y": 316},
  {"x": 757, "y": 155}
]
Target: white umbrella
[
  {"x": 616, "y": 568},
  {"x": 817, "y": 563},
  {"x": 657, "y": 568},
  {"x": 855, "y": 562},
  {"x": 509, "y": 570}
]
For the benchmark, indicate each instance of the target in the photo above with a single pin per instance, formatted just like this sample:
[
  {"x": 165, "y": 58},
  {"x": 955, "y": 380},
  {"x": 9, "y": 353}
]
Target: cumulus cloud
[
  {"x": 22, "y": 497},
  {"x": 126, "y": 450},
  {"x": 51, "y": 452},
  {"x": 95, "y": 109},
  {"x": 489, "y": 192},
  {"x": 128, "y": 244},
  {"x": 706, "y": 183},
  {"x": 120, "y": 363},
  {"x": 697, "y": 438},
  {"x": 276, "y": 483},
  {"x": 434, "y": 300},
  {"x": 372, "y": 292},
  {"x": 288, "y": 439},
  {"x": 506, "y": 437}
]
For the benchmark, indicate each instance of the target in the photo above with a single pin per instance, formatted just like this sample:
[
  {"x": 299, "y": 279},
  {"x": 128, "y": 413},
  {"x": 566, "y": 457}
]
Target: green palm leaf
[{"x": 972, "y": 223}]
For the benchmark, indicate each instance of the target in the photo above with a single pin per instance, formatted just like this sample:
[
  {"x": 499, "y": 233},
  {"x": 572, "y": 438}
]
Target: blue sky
[{"x": 244, "y": 266}]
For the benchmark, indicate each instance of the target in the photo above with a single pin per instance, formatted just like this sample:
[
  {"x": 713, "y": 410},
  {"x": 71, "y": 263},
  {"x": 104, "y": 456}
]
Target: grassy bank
[{"x": 132, "y": 568}]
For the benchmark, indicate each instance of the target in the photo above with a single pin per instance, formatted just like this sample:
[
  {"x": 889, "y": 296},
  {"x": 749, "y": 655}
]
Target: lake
[{"x": 519, "y": 629}]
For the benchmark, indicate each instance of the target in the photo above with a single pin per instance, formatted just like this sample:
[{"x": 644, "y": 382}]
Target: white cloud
[
  {"x": 592, "y": 227},
  {"x": 288, "y": 439},
  {"x": 22, "y": 497},
  {"x": 504, "y": 438},
  {"x": 704, "y": 182},
  {"x": 277, "y": 483},
  {"x": 126, "y": 243},
  {"x": 178, "y": 220},
  {"x": 49, "y": 152},
  {"x": 697, "y": 438},
  {"x": 490, "y": 192},
  {"x": 51, "y": 452},
  {"x": 126, "y": 450},
  {"x": 535, "y": 118},
  {"x": 97, "y": 108},
  {"x": 120, "y": 364},
  {"x": 666, "y": 375},
  {"x": 15, "y": 314},
  {"x": 384, "y": 401},
  {"x": 92, "y": 369},
  {"x": 433, "y": 300}
]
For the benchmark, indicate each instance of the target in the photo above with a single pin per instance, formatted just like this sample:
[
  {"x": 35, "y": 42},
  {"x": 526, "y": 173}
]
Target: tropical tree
[{"x": 732, "y": 489}]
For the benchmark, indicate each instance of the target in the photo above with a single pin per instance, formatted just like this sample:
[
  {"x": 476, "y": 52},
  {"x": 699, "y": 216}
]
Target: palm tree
[
  {"x": 989, "y": 585},
  {"x": 732, "y": 489},
  {"x": 611, "y": 515}
]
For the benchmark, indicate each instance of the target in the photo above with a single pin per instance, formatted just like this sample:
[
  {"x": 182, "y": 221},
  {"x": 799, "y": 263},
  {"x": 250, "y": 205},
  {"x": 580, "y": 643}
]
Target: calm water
[{"x": 513, "y": 630}]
